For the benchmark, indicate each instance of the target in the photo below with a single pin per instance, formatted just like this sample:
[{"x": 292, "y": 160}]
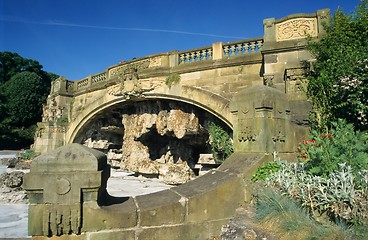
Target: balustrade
[
  {"x": 98, "y": 78},
  {"x": 242, "y": 47},
  {"x": 195, "y": 55},
  {"x": 82, "y": 83},
  {"x": 237, "y": 48}
]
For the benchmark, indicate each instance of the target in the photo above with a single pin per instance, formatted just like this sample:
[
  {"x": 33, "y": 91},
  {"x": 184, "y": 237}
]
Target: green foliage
[
  {"x": 220, "y": 142},
  {"x": 17, "y": 137},
  {"x": 324, "y": 151},
  {"x": 172, "y": 79},
  {"x": 23, "y": 89},
  {"x": 264, "y": 171},
  {"x": 338, "y": 87}
]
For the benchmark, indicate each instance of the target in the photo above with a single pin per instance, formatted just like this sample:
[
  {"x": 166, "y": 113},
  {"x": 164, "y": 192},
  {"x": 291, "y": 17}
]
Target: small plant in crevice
[
  {"x": 220, "y": 142},
  {"x": 172, "y": 79},
  {"x": 264, "y": 171}
]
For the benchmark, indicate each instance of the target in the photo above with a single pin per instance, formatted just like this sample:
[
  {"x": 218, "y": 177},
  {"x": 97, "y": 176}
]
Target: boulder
[{"x": 12, "y": 179}]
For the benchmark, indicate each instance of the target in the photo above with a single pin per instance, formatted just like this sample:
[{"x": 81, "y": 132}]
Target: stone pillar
[
  {"x": 217, "y": 51},
  {"x": 58, "y": 184},
  {"x": 173, "y": 58},
  {"x": 269, "y": 30},
  {"x": 323, "y": 17},
  {"x": 261, "y": 121}
]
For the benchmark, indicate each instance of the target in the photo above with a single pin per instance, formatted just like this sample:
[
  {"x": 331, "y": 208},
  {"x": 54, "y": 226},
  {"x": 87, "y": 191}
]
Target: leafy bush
[
  {"x": 324, "y": 151},
  {"x": 220, "y": 142}
]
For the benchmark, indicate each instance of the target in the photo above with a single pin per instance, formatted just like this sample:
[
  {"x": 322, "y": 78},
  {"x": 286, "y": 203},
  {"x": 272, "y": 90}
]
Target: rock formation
[
  {"x": 163, "y": 140},
  {"x": 159, "y": 138}
]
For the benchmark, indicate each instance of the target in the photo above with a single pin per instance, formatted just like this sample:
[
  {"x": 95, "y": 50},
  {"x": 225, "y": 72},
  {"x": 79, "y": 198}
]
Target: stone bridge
[{"x": 253, "y": 88}]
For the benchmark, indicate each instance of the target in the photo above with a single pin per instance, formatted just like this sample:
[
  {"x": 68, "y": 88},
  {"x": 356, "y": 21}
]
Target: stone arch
[{"x": 214, "y": 104}]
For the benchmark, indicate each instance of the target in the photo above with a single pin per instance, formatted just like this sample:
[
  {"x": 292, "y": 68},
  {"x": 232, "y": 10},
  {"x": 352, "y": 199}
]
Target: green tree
[
  {"x": 24, "y": 87},
  {"x": 338, "y": 87},
  {"x": 12, "y": 63},
  {"x": 25, "y": 93}
]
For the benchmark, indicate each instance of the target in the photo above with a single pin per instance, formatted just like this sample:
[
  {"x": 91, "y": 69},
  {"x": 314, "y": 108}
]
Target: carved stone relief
[
  {"x": 296, "y": 29},
  {"x": 246, "y": 132}
]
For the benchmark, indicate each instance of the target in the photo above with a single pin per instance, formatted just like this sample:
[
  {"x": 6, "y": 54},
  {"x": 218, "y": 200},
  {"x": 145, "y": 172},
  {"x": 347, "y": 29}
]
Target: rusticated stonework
[{"x": 296, "y": 29}]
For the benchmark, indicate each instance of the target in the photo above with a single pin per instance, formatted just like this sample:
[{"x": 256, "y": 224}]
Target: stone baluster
[
  {"x": 239, "y": 48},
  {"x": 252, "y": 46},
  {"x": 181, "y": 58},
  {"x": 232, "y": 49},
  {"x": 227, "y": 50},
  {"x": 209, "y": 53},
  {"x": 259, "y": 44}
]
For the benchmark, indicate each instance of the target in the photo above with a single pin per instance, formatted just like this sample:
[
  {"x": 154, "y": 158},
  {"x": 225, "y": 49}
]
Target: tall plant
[{"x": 220, "y": 142}]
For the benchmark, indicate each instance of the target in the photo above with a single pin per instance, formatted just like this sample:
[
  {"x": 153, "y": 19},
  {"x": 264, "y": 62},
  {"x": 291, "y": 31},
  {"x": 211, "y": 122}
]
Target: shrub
[{"x": 324, "y": 151}]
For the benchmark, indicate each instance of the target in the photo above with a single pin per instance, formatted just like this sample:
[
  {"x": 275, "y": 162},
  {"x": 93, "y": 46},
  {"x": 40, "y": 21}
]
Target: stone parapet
[{"x": 68, "y": 200}]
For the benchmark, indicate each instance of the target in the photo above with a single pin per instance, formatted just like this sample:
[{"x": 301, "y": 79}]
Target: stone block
[
  {"x": 161, "y": 208},
  {"x": 63, "y": 237},
  {"x": 114, "y": 216},
  {"x": 215, "y": 195},
  {"x": 176, "y": 232},
  {"x": 113, "y": 235}
]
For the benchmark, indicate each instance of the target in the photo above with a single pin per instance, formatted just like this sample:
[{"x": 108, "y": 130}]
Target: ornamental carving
[
  {"x": 246, "y": 132},
  {"x": 136, "y": 88},
  {"x": 296, "y": 29},
  {"x": 140, "y": 65}
]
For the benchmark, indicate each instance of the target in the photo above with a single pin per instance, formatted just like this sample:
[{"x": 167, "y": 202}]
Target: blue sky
[{"x": 76, "y": 38}]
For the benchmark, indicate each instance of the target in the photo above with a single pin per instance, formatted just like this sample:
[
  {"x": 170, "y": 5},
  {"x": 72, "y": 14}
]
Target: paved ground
[{"x": 123, "y": 184}]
